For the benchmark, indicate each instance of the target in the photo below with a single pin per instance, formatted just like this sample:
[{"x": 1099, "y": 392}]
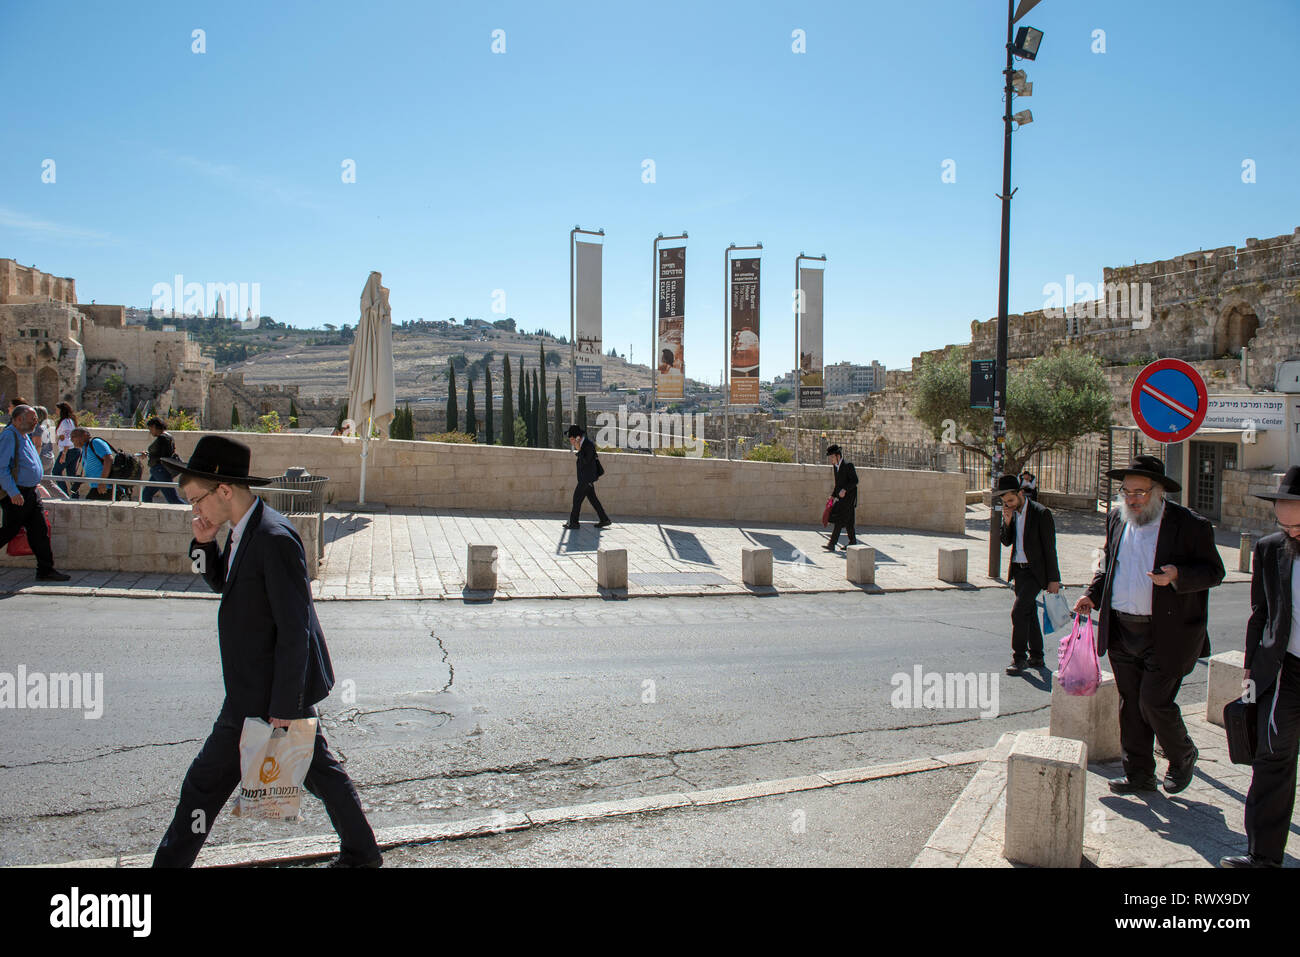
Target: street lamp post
[{"x": 1024, "y": 45}]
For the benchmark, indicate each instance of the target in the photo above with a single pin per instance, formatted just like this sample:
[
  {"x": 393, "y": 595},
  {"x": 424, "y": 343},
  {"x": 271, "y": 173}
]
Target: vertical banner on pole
[
  {"x": 744, "y": 331},
  {"x": 812, "y": 393},
  {"x": 588, "y": 316},
  {"x": 672, "y": 298}
]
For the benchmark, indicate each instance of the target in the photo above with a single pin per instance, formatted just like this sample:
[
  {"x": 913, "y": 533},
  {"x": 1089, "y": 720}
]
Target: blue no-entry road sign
[{"x": 1169, "y": 401}]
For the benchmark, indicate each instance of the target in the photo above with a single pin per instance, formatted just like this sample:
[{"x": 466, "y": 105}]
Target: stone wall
[
  {"x": 41, "y": 358},
  {"x": 29, "y": 284},
  {"x": 1241, "y": 510},
  {"x": 133, "y": 537},
  {"x": 500, "y": 478}
]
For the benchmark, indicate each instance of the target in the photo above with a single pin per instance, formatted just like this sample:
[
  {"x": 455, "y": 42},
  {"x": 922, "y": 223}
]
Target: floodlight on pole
[
  {"x": 1026, "y": 43},
  {"x": 1023, "y": 118}
]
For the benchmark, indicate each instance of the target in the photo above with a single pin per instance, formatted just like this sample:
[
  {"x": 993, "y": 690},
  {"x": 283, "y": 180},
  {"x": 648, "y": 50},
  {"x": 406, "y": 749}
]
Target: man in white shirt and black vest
[
  {"x": 1028, "y": 528},
  {"x": 1151, "y": 594}
]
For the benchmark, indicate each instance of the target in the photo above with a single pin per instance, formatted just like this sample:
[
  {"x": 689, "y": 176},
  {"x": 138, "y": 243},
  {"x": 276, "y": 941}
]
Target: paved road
[{"x": 445, "y": 711}]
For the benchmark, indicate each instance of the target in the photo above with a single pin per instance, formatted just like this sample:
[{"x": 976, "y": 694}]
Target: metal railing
[{"x": 1071, "y": 471}]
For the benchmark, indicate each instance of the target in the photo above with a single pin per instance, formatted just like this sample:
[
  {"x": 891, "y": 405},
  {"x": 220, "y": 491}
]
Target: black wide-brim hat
[
  {"x": 1007, "y": 483},
  {"x": 217, "y": 459},
  {"x": 1150, "y": 467},
  {"x": 1288, "y": 489},
  {"x": 574, "y": 431},
  {"x": 834, "y": 450}
]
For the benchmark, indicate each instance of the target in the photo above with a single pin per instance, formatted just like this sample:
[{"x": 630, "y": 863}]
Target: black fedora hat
[
  {"x": 1150, "y": 467},
  {"x": 1007, "y": 483},
  {"x": 834, "y": 450},
  {"x": 574, "y": 431},
  {"x": 1288, "y": 490},
  {"x": 217, "y": 459}
]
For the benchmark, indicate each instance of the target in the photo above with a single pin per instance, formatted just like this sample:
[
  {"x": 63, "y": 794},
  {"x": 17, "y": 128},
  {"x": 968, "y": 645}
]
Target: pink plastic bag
[{"x": 1078, "y": 671}]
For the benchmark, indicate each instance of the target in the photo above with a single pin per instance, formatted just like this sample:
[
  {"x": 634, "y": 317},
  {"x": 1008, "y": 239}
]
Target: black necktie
[{"x": 225, "y": 554}]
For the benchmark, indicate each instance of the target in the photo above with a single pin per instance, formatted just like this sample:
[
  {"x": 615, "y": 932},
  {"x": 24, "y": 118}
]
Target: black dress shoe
[
  {"x": 1129, "y": 786},
  {"x": 1177, "y": 778},
  {"x": 605, "y": 524},
  {"x": 1035, "y": 662},
  {"x": 568, "y": 525},
  {"x": 1246, "y": 860},
  {"x": 53, "y": 575},
  {"x": 1015, "y": 668},
  {"x": 342, "y": 861},
  {"x": 828, "y": 548}
]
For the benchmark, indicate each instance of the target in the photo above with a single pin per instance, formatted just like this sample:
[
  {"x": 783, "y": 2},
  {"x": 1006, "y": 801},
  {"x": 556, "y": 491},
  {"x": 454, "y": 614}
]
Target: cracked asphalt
[{"x": 446, "y": 711}]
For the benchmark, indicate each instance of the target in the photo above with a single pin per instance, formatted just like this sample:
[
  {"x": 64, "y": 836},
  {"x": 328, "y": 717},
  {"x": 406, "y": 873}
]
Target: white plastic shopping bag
[
  {"x": 1057, "y": 613},
  {"x": 273, "y": 763}
]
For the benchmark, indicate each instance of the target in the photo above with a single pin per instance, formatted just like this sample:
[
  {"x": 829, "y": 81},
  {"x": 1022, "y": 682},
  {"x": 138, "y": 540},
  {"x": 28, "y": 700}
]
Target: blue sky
[{"x": 471, "y": 167}]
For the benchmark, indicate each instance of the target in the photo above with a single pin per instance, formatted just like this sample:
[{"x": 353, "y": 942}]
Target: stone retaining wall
[
  {"x": 1241, "y": 510},
  {"x": 134, "y": 537},
  {"x": 501, "y": 478}
]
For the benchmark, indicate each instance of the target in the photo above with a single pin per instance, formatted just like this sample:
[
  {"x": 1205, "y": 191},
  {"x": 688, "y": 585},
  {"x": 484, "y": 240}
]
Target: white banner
[{"x": 588, "y": 316}]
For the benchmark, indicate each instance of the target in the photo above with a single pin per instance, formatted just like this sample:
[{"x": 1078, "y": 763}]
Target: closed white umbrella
[{"x": 370, "y": 369}]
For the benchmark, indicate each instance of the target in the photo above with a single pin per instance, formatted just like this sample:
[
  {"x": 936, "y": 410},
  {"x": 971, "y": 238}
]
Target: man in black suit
[
  {"x": 1152, "y": 599},
  {"x": 1030, "y": 531},
  {"x": 845, "y": 494},
  {"x": 589, "y": 470},
  {"x": 273, "y": 656},
  {"x": 1273, "y": 669}
]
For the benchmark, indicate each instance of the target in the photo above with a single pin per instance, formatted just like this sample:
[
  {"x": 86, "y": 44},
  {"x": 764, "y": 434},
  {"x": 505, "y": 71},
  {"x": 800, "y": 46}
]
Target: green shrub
[{"x": 769, "y": 453}]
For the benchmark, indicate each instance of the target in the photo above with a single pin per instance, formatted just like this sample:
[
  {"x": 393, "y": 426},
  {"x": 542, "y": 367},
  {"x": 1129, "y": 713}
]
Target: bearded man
[{"x": 1152, "y": 598}]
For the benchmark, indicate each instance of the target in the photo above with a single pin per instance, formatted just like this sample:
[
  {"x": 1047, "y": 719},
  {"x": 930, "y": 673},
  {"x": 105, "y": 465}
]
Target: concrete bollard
[
  {"x": 482, "y": 565},
  {"x": 1243, "y": 556},
  {"x": 952, "y": 565},
  {"x": 1046, "y": 782},
  {"x": 1092, "y": 719},
  {"x": 1224, "y": 683},
  {"x": 756, "y": 565},
  {"x": 611, "y": 567},
  {"x": 861, "y": 565}
]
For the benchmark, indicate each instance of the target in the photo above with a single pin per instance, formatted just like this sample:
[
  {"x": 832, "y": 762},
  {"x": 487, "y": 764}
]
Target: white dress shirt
[
  {"x": 237, "y": 533},
  {"x": 1020, "y": 555},
  {"x": 1131, "y": 588}
]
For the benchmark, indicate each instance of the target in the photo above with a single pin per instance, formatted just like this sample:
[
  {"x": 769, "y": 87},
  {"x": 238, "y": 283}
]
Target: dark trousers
[
  {"x": 30, "y": 516},
  {"x": 842, "y": 520},
  {"x": 1147, "y": 710},
  {"x": 586, "y": 490},
  {"x": 1271, "y": 798},
  {"x": 214, "y": 775},
  {"x": 1026, "y": 633},
  {"x": 160, "y": 474},
  {"x": 71, "y": 459}
]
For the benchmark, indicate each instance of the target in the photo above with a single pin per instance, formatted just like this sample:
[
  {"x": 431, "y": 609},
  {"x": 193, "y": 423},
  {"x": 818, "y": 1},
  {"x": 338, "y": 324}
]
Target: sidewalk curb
[{"x": 304, "y": 849}]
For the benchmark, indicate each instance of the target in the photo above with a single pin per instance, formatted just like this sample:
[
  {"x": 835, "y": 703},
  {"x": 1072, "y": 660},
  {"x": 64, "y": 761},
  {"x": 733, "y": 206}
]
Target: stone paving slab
[
  {"x": 416, "y": 553},
  {"x": 1191, "y": 829}
]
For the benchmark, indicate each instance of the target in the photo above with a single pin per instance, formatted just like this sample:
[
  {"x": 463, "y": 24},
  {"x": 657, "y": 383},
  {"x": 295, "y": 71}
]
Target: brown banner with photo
[
  {"x": 671, "y": 383},
  {"x": 744, "y": 331}
]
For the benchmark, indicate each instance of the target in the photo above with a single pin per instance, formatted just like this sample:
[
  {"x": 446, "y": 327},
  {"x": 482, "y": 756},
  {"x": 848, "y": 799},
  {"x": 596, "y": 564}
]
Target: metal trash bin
[{"x": 299, "y": 479}]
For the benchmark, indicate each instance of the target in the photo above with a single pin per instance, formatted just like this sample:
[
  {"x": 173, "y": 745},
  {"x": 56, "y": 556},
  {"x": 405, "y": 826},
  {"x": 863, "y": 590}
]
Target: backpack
[{"x": 124, "y": 466}]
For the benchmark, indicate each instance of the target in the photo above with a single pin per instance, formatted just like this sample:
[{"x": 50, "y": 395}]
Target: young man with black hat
[
  {"x": 1273, "y": 668},
  {"x": 845, "y": 494},
  {"x": 273, "y": 657},
  {"x": 589, "y": 470},
  {"x": 1029, "y": 530},
  {"x": 1152, "y": 600}
]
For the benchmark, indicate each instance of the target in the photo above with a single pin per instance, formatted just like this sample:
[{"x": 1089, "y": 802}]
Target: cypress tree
[
  {"x": 523, "y": 397},
  {"x": 487, "y": 375},
  {"x": 557, "y": 440},
  {"x": 471, "y": 419},
  {"x": 293, "y": 415},
  {"x": 343, "y": 414},
  {"x": 507, "y": 408},
  {"x": 453, "y": 413},
  {"x": 543, "y": 431},
  {"x": 582, "y": 413},
  {"x": 534, "y": 412},
  {"x": 234, "y": 416}
]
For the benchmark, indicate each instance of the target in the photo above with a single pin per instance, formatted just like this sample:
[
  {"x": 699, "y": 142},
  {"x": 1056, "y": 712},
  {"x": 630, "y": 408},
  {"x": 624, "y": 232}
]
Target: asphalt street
[{"x": 444, "y": 711}]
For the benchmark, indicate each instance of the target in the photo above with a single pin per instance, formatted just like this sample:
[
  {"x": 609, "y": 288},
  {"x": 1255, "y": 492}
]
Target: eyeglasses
[
  {"x": 1287, "y": 528},
  {"x": 202, "y": 497},
  {"x": 1135, "y": 492}
]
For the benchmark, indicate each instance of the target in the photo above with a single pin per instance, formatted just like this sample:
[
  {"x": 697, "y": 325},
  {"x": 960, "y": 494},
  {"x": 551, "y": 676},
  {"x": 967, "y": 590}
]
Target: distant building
[{"x": 844, "y": 378}]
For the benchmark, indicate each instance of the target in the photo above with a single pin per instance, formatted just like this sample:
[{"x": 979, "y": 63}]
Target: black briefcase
[{"x": 1240, "y": 722}]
